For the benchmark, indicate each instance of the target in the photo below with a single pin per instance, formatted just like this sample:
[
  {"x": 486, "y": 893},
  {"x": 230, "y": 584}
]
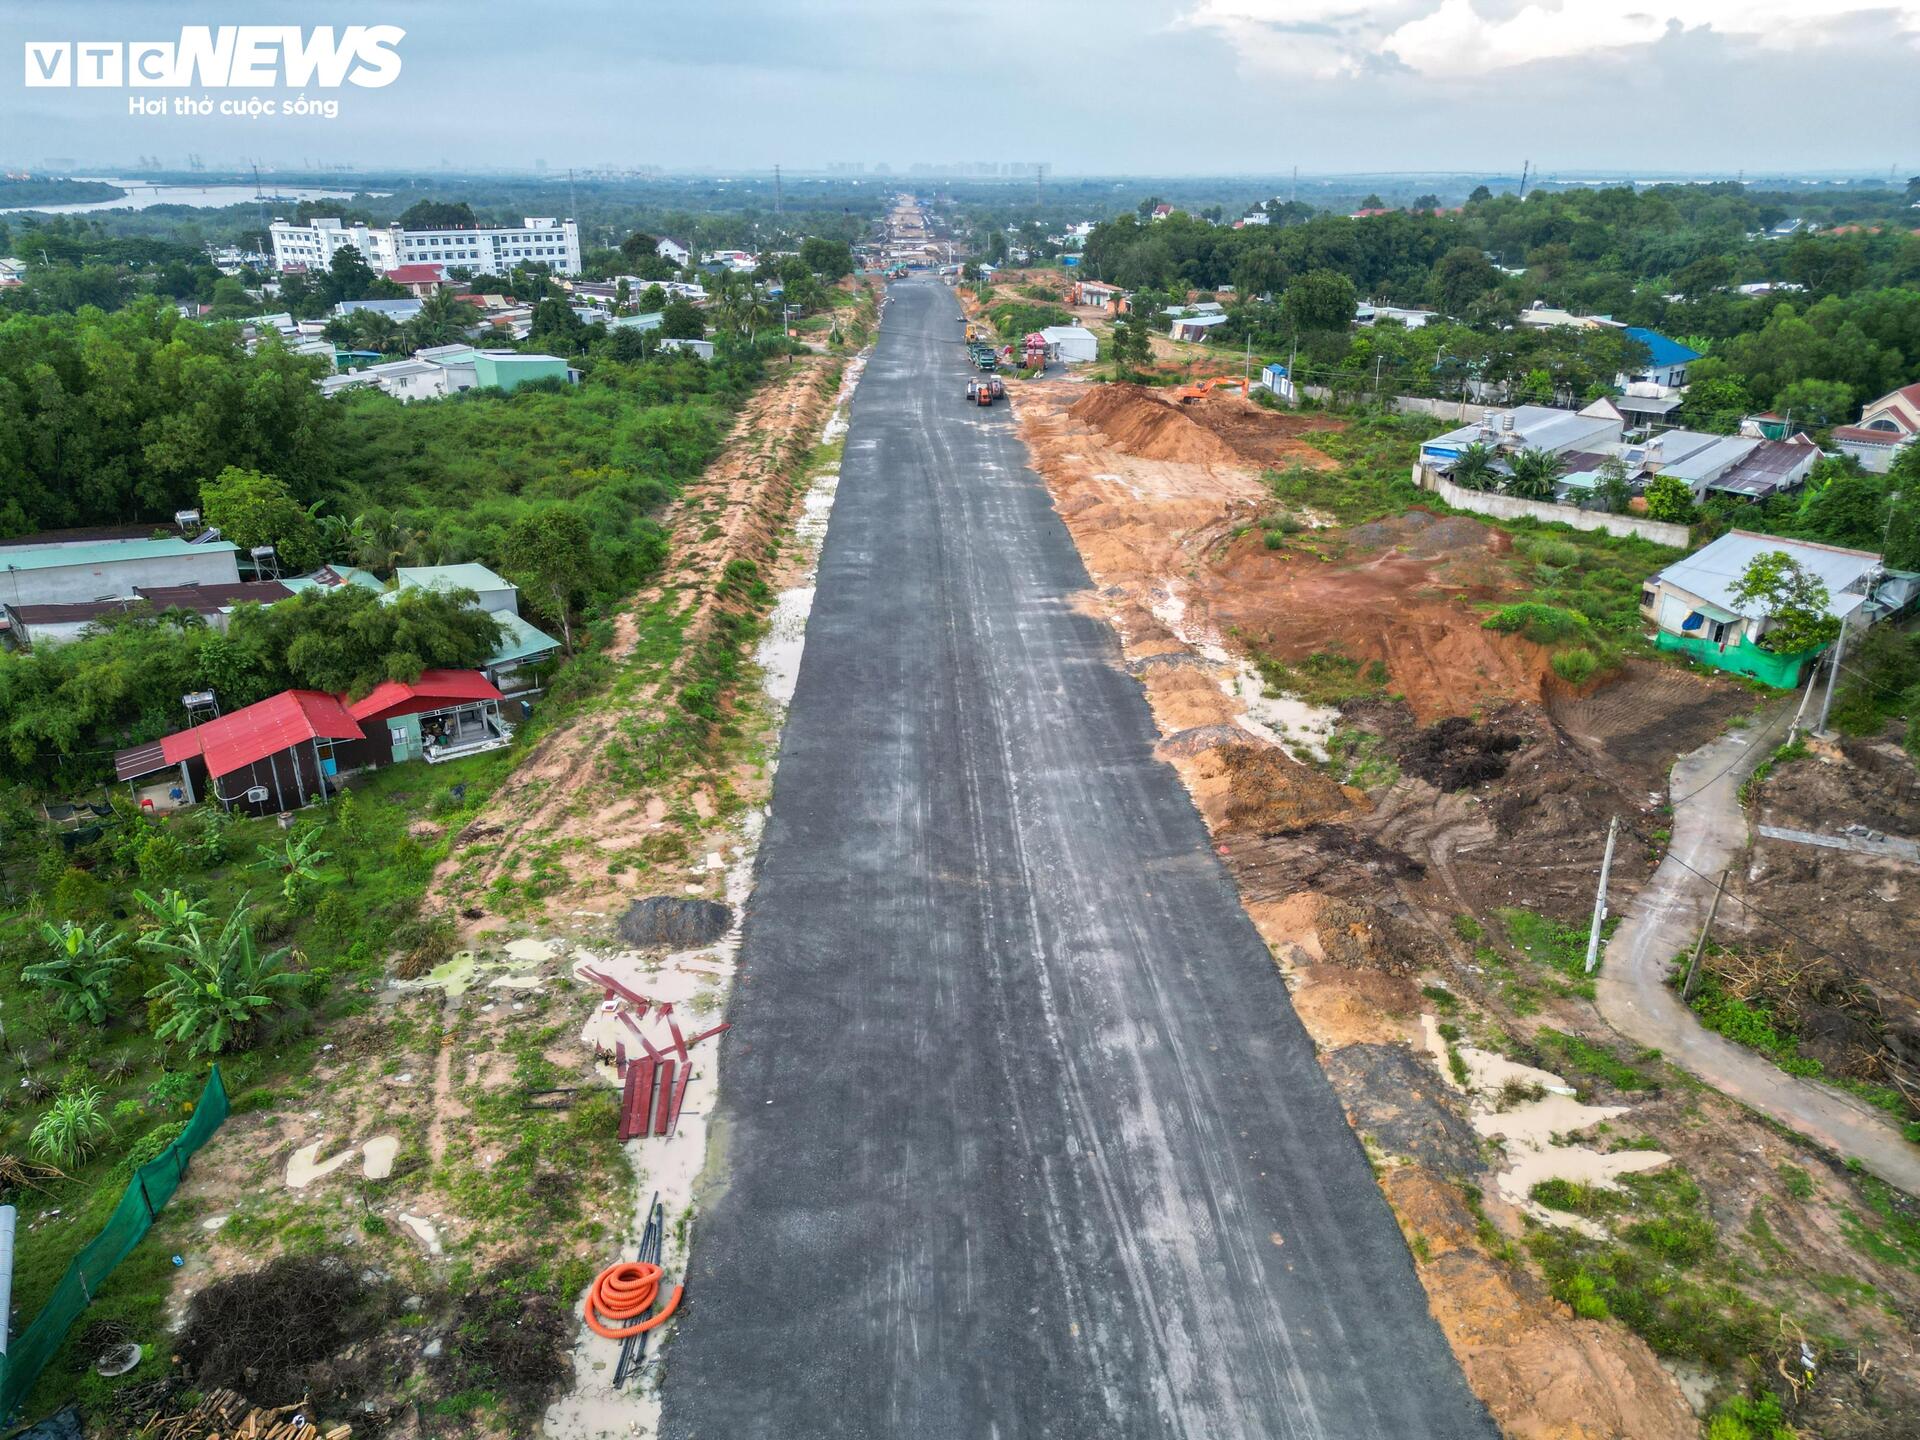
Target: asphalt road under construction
[{"x": 1018, "y": 1133}]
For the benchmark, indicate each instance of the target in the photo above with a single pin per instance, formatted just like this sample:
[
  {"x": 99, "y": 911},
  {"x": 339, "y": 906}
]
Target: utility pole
[
  {"x": 1826, "y": 701},
  {"x": 573, "y": 203},
  {"x": 779, "y": 202},
  {"x": 1600, "y": 896},
  {"x": 1525, "y": 166},
  {"x": 1700, "y": 945}
]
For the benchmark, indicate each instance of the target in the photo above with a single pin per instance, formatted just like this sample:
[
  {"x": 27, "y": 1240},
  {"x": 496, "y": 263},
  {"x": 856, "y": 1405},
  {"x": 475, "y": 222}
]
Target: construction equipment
[
  {"x": 1203, "y": 388},
  {"x": 985, "y": 391}
]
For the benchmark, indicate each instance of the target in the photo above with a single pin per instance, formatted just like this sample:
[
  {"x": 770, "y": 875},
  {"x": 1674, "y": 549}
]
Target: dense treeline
[
  {"x": 1842, "y": 328},
  {"x": 117, "y": 418},
  {"x": 126, "y": 417}
]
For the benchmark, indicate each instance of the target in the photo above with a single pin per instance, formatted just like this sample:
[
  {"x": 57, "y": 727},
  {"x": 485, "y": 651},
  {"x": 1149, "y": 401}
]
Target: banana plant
[
  {"x": 298, "y": 859},
  {"x": 218, "y": 985},
  {"x": 78, "y": 976}
]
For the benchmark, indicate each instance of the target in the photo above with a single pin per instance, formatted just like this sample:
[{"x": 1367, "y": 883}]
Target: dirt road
[
  {"x": 1709, "y": 834},
  {"x": 1019, "y": 1134}
]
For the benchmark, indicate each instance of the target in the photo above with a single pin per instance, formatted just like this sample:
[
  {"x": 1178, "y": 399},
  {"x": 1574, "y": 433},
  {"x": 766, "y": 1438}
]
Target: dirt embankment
[
  {"x": 563, "y": 809},
  {"x": 1831, "y": 935},
  {"x": 1479, "y": 787}
]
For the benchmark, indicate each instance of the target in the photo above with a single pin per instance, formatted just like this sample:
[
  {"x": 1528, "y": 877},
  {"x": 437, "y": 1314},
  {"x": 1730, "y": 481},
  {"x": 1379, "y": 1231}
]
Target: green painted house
[{"x": 1693, "y": 610}]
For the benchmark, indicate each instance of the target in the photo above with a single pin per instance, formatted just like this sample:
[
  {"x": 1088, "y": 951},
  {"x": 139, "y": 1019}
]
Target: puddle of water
[
  {"x": 376, "y": 1156},
  {"x": 1282, "y": 720},
  {"x": 305, "y": 1166},
  {"x": 1528, "y": 1131}
]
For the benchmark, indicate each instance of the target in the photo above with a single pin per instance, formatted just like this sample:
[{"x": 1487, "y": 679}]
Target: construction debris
[{"x": 225, "y": 1415}]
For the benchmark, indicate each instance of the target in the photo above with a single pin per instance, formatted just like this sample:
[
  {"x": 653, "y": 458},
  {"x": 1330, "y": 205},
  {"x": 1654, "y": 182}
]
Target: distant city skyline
[{"x": 1089, "y": 87}]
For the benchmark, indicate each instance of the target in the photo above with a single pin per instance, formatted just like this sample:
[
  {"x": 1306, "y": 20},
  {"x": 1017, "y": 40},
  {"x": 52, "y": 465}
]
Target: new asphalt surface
[{"x": 1018, "y": 1133}]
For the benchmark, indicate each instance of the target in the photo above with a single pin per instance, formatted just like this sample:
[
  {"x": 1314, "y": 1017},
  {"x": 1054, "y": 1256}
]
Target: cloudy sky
[{"x": 1089, "y": 86}]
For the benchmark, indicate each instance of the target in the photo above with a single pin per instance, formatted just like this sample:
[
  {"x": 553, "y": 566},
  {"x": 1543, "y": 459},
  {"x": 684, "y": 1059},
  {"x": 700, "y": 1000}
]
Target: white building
[
  {"x": 485, "y": 250},
  {"x": 671, "y": 249},
  {"x": 1071, "y": 344}
]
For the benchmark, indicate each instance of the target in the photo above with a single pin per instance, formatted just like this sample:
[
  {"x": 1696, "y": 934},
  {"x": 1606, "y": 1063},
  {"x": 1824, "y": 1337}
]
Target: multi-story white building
[{"x": 482, "y": 249}]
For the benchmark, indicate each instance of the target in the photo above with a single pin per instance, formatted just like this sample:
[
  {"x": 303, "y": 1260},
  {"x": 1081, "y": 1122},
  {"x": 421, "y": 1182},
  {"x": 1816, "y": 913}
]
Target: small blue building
[{"x": 1666, "y": 364}]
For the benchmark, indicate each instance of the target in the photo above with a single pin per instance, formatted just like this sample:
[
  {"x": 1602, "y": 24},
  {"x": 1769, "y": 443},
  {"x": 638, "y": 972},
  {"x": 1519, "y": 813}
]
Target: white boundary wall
[{"x": 1510, "y": 507}]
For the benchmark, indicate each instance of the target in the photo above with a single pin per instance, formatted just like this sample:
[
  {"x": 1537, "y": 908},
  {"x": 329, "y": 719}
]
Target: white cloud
[{"x": 1463, "y": 38}]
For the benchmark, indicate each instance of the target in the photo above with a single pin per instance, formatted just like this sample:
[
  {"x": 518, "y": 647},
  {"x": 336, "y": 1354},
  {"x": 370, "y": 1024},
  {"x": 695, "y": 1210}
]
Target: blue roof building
[{"x": 1667, "y": 360}]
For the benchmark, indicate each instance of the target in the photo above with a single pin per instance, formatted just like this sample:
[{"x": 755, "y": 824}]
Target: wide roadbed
[{"x": 1018, "y": 1132}]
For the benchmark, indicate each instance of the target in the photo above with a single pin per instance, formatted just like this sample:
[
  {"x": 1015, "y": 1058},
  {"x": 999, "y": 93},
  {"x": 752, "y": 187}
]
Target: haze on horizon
[{"x": 1087, "y": 86}]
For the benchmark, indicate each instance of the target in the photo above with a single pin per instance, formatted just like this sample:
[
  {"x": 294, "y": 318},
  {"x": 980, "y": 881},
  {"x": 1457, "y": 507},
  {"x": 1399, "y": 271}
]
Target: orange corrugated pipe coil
[{"x": 622, "y": 1292}]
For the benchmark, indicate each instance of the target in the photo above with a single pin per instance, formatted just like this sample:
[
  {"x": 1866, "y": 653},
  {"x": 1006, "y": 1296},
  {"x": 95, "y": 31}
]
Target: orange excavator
[{"x": 1203, "y": 388}]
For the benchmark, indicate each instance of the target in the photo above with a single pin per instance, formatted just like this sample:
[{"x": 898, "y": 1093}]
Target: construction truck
[{"x": 985, "y": 390}]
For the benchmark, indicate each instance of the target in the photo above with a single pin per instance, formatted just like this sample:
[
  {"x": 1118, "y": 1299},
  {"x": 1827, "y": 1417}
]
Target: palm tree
[
  {"x": 79, "y": 974},
  {"x": 218, "y": 986},
  {"x": 1534, "y": 474},
  {"x": 442, "y": 320},
  {"x": 1473, "y": 468}
]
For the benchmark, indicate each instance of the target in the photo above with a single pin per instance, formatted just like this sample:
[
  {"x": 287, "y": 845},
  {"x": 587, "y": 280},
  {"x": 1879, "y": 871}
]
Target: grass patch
[
  {"x": 1326, "y": 677},
  {"x": 1573, "y": 1056}
]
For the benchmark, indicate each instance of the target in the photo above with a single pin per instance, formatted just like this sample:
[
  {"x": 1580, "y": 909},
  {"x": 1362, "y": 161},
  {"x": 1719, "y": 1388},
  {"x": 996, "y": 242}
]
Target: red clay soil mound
[
  {"x": 1138, "y": 421},
  {"x": 1213, "y": 430},
  {"x": 1265, "y": 437}
]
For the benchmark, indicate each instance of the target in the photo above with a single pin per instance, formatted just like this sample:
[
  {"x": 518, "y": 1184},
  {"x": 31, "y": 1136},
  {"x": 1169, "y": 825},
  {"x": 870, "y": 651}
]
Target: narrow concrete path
[{"x": 1663, "y": 920}]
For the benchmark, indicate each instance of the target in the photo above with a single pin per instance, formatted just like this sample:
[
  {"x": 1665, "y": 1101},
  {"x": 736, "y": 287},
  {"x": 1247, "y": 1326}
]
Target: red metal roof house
[{"x": 293, "y": 747}]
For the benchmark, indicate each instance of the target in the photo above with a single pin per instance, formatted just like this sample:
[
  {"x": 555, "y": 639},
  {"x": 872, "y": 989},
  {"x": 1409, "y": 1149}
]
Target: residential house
[
  {"x": 398, "y": 311},
  {"x": 1665, "y": 371},
  {"x": 422, "y": 279},
  {"x": 1741, "y": 465},
  {"x": 444, "y": 715},
  {"x": 334, "y": 577},
  {"x": 1886, "y": 426},
  {"x": 1547, "y": 317},
  {"x": 521, "y": 647},
  {"x": 296, "y": 747},
  {"x": 12, "y": 271},
  {"x": 1194, "y": 327},
  {"x": 673, "y": 250},
  {"x": 269, "y": 757},
  {"x": 1099, "y": 296},
  {"x": 66, "y": 572},
  {"x": 700, "y": 349},
  {"x": 1693, "y": 610}
]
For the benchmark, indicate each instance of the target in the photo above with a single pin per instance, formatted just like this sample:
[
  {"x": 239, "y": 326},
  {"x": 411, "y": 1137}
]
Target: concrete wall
[
  {"x": 1510, "y": 507},
  {"x": 1450, "y": 410}
]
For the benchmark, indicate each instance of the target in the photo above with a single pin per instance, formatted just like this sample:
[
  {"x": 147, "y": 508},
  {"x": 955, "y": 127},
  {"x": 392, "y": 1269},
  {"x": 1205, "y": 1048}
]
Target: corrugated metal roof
[
  {"x": 1712, "y": 571},
  {"x": 434, "y": 690},
  {"x": 471, "y": 576},
  {"x": 206, "y": 598},
  {"x": 290, "y": 718},
  {"x": 1664, "y": 351},
  {"x": 105, "y": 552},
  {"x": 520, "y": 641}
]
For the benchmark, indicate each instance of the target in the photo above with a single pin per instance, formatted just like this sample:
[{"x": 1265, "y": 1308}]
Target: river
[{"x": 142, "y": 194}]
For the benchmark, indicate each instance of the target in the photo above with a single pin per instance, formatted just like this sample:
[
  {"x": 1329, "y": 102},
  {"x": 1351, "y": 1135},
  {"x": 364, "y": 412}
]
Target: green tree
[
  {"x": 349, "y": 640},
  {"x": 827, "y": 258},
  {"x": 1844, "y": 506},
  {"x": 1611, "y": 491},
  {"x": 79, "y": 972},
  {"x": 442, "y": 320},
  {"x": 1793, "y": 602},
  {"x": 438, "y": 215},
  {"x": 682, "y": 320},
  {"x": 253, "y": 509},
  {"x": 1460, "y": 278},
  {"x": 1320, "y": 300},
  {"x": 297, "y": 860},
  {"x": 1132, "y": 342},
  {"x": 218, "y": 985},
  {"x": 1815, "y": 404},
  {"x": 1669, "y": 498},
  {"x": 548, "y": 555}
]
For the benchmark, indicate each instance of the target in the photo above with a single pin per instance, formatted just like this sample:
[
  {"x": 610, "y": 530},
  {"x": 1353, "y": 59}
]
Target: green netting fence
[{"x": 147, "y": 1195}]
